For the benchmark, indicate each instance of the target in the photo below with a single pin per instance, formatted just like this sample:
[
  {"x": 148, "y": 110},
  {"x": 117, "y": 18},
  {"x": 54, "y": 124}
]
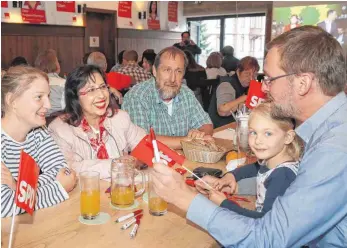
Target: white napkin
[{"x": 228, "y": 133}]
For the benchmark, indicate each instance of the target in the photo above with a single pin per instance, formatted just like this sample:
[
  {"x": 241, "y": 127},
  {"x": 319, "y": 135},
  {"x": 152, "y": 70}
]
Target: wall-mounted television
[{"x": 331, "y": 17}]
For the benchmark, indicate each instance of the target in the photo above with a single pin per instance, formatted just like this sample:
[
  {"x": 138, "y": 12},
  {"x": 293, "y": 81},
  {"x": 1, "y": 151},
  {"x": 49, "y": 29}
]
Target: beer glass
[
  {"x": 90, "y": 194},
  {"x": 157, "y": 206}
]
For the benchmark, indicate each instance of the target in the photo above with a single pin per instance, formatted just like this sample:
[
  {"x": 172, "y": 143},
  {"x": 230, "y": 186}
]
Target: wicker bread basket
[{"x": 198, "y": 153}]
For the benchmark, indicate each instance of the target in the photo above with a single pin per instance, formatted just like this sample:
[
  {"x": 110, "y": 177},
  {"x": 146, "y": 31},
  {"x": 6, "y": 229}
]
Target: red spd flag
[
  {"x": 145, "y": 153},
  {"x": 27, "y": 183},
  {"x": 255, "y": 95}
]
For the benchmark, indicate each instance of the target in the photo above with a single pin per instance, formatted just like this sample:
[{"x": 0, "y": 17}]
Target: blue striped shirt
[{"x": 42, "y": 148}]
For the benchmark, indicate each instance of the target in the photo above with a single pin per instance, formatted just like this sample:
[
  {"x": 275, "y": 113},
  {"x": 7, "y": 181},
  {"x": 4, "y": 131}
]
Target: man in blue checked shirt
[{"x": 305, "y": 77}]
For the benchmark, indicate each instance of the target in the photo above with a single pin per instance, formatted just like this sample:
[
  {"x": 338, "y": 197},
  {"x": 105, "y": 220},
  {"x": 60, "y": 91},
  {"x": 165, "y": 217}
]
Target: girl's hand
[
  {"x": 227, "y": 181},
  {"x": 201, "y": 187}
]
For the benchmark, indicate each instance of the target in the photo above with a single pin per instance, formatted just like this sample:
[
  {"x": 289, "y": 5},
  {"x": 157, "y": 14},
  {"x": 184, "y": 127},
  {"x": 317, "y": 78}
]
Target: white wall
[
  {"x": 62, "y": 18},
  {"x": 140, "y": 6},
  {"x": 53, "y": 17}
]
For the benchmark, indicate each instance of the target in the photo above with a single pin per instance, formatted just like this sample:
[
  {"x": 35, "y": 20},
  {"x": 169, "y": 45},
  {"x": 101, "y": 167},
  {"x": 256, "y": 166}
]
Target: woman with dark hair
[
  {"x": 93, "y": 131},
  {"x": 19, "y": 61},
  {"x": 145, "y": 52},
  {"x": 148, "y": 61},
  {"x": 85, "y": 58},
  {"x": 153, "y": 10},
  {"x": 120, "y": 61},
  {"x": 194, "y": 74}
]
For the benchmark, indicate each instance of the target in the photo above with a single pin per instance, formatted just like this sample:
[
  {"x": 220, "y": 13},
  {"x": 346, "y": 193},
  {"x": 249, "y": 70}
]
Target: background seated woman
[
  {"x": 24, "y": 104},
  {"x": 47, "y": 61},
  {"x": 92, "y": 131}
]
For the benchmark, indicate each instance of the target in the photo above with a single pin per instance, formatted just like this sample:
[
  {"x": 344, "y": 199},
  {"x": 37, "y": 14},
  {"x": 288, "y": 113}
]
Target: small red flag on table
[
  {"x": 144, "y": 152},
  {"x": 27, "y": 183}
]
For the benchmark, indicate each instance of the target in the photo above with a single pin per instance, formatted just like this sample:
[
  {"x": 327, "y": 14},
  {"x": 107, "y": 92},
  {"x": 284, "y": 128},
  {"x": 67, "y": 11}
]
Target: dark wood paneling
[
  {"x": 148, "y": 34},
  {"x": 28, "y": 40},
  {"x": 102, "y": 24},
  {"x": 140, "y": 40},
  {"x": 103, "y": 11}
]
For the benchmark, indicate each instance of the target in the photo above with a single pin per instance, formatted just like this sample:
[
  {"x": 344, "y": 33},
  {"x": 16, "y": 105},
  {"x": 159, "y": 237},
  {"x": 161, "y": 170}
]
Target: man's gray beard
[{"x": 164, "y": 93}]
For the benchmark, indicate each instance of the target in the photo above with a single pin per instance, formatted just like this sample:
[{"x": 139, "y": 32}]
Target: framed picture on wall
[{"x": 153, "y": 20}]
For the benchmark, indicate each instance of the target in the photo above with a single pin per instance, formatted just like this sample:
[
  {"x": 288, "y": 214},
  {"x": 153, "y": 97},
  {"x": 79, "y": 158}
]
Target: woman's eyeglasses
[
  {"x": 92, "y": 91},
  {"x": 267, "y": 80}
]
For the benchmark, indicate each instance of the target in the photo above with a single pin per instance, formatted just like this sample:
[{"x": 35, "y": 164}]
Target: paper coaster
[
  {"x": 145, "y": 197},
  {"x": 102, "y": 218},
  {"x": 135, "y": 205}
]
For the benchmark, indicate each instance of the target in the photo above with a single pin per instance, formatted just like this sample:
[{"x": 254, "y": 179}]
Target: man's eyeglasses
[
  {"x": 267, "y": 80},
  {"x": 92, "y": 91}
]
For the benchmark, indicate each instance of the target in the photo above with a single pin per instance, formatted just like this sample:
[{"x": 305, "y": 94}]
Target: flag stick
[
  {"x": 12, "y": 224},
  {"x": 210, "y": 187}
]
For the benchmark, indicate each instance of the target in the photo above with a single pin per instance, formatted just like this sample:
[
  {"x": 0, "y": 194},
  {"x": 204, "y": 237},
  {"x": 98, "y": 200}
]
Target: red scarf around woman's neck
[{"x": 97, "y": 141}]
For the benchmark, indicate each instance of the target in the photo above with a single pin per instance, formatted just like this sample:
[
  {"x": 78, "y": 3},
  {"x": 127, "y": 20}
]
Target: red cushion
[{"x": 117, "y": 80}]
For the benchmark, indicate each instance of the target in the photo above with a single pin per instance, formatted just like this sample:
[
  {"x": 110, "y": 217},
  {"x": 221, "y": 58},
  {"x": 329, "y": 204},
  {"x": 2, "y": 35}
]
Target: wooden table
[{"x": 58, "y": 226}]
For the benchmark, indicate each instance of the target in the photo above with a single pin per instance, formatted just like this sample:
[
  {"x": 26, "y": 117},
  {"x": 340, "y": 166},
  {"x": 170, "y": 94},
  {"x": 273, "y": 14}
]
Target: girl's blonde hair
[
  {"x": 295, "y": 148},
  {"x": 17, "y": 80}
]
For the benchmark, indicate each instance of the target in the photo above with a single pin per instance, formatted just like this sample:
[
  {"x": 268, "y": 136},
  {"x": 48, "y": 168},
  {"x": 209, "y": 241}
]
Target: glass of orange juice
[
  {"x": 157, "y": 206},
  {"x": 90, "y": 194},
  {"x": 123, "y": 189}
]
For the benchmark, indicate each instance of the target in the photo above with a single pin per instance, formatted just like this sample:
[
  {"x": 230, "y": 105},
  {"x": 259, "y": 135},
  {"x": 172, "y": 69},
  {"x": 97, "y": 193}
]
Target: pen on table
[
  {"x": 135, "y": 228},
  {"x": 132, "y": 221},
  {"x": 155, "y": 145},
  {"x": 125, "y": 217}
]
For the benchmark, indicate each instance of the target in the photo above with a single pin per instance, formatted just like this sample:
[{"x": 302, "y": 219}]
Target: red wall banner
[
  {"x": 172, "y": 11},
  {"x": 66, "y": 6},
  {"x": 33, "y": 12},
  {"x": 4, "y": 4},
  {"x": 124, "y": 9}
]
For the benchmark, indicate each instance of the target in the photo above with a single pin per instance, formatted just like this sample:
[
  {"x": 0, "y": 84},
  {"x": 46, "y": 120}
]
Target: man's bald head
[{"x": 98, "y": 59}]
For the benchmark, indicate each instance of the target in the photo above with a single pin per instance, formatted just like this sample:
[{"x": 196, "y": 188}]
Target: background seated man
[
  {"x": 165, "y": 104},
  {"x": 131, "y": 68}
]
